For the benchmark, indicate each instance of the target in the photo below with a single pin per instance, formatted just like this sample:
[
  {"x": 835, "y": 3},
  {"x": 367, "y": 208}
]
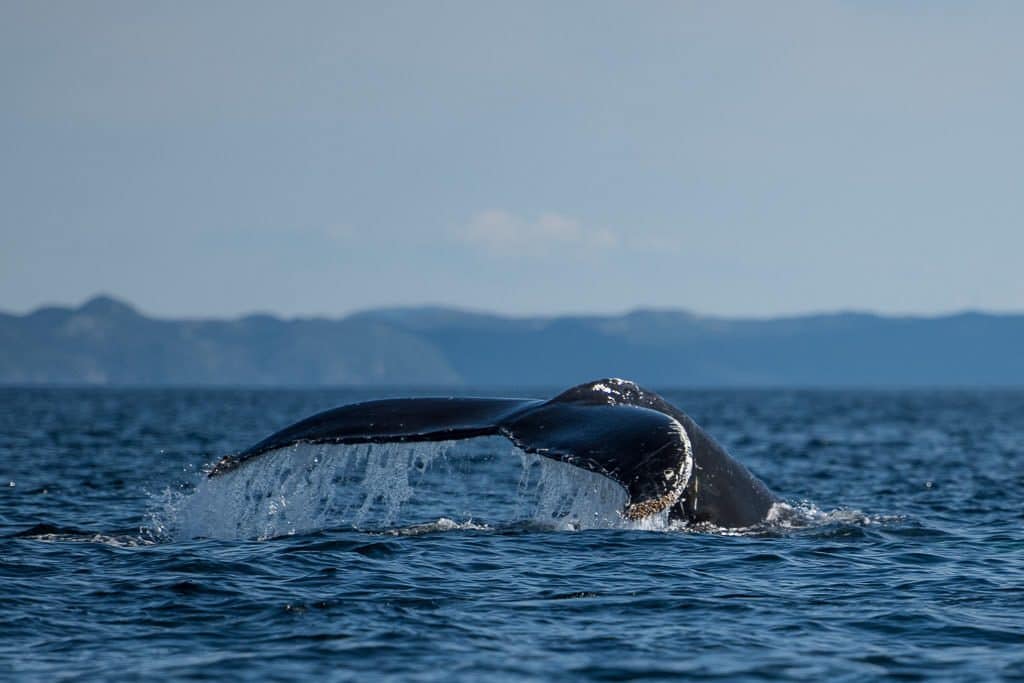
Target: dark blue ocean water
[{"x": 902, "y": 556}]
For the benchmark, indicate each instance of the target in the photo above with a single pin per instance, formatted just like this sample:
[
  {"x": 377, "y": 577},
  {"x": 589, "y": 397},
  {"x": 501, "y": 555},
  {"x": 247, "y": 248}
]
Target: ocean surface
[{"x": 901, "y": 553}]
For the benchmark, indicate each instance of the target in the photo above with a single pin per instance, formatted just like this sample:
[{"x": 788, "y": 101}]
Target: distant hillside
[{"x": 108, "y": 342}]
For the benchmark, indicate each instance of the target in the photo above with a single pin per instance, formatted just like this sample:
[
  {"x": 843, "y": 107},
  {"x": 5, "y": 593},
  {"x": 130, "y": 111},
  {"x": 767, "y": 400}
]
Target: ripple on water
[{"x": 449, "y": 564}]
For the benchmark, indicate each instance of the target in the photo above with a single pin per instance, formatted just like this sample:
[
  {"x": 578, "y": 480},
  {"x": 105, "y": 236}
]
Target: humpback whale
[{"x": 613, "y": 427}]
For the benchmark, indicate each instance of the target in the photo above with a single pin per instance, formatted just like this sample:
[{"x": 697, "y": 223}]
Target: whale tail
[{"x": 612, "y": 427}]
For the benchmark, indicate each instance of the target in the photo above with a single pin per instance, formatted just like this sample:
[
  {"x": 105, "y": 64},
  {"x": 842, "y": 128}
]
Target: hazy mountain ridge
[{"x": 106, "y": 341}]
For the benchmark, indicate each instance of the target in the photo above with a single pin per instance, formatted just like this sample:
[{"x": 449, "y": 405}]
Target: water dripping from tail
[{"x": 479, "y": 484}]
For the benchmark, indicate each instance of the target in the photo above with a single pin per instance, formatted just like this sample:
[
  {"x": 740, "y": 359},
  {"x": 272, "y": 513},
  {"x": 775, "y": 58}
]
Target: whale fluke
[{"x": 612, "y": 427}]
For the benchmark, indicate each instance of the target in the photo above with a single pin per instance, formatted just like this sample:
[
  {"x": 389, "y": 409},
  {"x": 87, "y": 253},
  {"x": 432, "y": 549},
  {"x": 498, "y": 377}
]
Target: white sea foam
[
  {"x": 114, "y": 540},
  {"x": 442, "y": 524},
  {"x": 784, "y": 517},
  {"x": 806, "y": 514}
]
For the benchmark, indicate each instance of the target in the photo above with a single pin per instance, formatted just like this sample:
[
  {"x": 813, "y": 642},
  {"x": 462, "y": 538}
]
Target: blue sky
[{"x": 318, "y": 158}]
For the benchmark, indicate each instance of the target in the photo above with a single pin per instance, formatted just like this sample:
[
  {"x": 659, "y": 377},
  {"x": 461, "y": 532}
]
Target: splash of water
[
  {"x": 409, "y": 489},
  {"x": 564, "y": 497},
  {"x": 786, "y": 518},
  {"x": 806, "y": 514},
  {"x": 304, "y": 488}
]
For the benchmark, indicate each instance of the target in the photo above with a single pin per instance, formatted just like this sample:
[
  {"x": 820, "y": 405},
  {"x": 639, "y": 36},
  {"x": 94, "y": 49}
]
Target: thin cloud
[{"x": 502, "y": 233}]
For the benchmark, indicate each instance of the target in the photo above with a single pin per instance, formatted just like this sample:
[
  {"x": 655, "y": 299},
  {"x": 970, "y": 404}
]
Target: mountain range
[{"x": 108, "y": 342}]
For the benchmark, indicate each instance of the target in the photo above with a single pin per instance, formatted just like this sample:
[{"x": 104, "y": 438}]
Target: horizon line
[{"x": 470, "y": 310}]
